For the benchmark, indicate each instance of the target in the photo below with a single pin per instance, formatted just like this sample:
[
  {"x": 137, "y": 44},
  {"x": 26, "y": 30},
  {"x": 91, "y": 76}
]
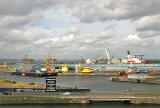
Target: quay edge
[{"x": 82, "y": 98}]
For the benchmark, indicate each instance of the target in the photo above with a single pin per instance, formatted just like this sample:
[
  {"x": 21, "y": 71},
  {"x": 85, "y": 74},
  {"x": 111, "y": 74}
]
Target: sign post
[{"x": 50, "y": 84}]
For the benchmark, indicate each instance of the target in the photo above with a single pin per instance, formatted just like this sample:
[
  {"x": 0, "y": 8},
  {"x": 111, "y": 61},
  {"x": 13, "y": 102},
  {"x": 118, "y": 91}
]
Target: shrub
[
  {"x": 14, "y": 82},
  {"x": 32, "y": 84}
]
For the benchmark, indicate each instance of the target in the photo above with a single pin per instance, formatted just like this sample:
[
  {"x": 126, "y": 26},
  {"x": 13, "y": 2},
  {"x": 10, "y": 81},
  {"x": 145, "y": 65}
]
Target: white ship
[
  {"x": 133, "y": 59},
  {"x": 129, "y": 59}
]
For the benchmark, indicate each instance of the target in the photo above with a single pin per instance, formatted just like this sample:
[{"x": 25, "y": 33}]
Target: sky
[{"x": 69, "y": 29}]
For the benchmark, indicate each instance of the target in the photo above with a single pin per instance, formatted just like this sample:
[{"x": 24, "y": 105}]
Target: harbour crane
[{"x": 107, "y": 54}]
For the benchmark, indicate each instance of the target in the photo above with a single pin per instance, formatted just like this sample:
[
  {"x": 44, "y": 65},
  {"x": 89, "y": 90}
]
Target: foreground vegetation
[{"x": 5, "y": 83}]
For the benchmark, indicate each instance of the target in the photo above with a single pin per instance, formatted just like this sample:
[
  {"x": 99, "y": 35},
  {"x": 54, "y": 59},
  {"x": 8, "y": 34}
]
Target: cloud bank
[{"x": 73, "y": 28}]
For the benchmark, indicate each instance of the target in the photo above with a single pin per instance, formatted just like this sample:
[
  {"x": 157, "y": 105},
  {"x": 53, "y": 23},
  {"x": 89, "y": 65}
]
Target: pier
[{"x": 150, "y": 80}]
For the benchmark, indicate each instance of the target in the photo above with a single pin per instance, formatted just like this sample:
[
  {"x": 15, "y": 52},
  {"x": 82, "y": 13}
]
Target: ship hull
[{"x": 123, "y": 67}]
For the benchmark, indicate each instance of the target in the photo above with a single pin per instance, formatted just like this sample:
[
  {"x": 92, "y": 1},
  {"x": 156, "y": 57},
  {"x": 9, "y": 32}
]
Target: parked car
[
  {"x": 66, "y": 93},
  {"x": 7, "y": 93}
]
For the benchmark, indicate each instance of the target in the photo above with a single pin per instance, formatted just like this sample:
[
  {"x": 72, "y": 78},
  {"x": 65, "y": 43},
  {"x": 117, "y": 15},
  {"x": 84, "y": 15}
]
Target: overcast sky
[{"x": 68, "y": 29}]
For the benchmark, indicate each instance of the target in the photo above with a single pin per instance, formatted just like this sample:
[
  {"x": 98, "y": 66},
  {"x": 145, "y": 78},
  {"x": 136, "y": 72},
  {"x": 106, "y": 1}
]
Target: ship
[
  {"x": 103, "y": 60},
  {"x": 121, "y": 65},
  {"x": 129, "y": 59},
  {"x": 134, "y": 70},
  {"x": 133, "y": 59}
]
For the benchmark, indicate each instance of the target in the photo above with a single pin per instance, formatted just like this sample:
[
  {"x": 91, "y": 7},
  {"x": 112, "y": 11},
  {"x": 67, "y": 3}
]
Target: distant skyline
[{"x": 68, "y": 29}]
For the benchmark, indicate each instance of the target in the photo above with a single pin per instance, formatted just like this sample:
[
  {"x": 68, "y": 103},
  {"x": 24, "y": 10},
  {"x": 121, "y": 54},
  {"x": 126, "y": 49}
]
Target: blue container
[{"x": 33, "y": 70}]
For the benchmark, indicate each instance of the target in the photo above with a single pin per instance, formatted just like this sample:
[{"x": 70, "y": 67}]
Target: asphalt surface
[{"x": 88, "y": 95}]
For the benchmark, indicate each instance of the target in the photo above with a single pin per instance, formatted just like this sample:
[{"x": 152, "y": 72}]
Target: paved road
[{"x": 91, "y": 95}]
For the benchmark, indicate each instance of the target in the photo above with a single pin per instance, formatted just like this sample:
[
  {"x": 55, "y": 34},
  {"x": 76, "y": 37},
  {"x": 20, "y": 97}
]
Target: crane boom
[{"x": 107, "y": 53}]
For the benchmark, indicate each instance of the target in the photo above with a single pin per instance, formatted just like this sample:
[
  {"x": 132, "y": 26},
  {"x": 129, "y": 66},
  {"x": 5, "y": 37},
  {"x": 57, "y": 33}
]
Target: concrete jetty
[{"x": 126, "y": 79}]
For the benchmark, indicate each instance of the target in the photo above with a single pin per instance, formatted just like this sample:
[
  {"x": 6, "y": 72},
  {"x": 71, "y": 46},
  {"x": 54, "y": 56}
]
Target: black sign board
[{"x": 50, "y": 84}]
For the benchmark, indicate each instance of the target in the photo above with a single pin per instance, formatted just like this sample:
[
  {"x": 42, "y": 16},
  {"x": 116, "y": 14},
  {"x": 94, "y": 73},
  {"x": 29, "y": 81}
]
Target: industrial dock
[{"x": 51, "y": 68}]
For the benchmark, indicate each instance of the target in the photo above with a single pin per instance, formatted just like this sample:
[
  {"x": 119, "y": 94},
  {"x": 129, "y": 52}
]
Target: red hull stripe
[
  {"x": 131, "y": 72},
  {"x": 115, "y": 70},
  {"x": 127, "y": 70},
  {"x": 137, "y": 63},
  {"x": 131, "y": 61}
]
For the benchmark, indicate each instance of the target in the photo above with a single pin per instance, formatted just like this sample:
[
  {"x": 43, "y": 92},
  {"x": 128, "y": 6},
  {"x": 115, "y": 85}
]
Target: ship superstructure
[
  {"x": 133, "y": 59},
  {"x": 129, "y": 59}
]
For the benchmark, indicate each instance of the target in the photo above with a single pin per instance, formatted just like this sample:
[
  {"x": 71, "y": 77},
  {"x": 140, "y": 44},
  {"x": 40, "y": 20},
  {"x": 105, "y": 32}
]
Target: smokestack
[{"x": 128, "y": 52}]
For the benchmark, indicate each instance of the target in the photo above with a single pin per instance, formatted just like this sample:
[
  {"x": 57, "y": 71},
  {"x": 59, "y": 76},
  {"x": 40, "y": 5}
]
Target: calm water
[{"x": 96, "y": 83}]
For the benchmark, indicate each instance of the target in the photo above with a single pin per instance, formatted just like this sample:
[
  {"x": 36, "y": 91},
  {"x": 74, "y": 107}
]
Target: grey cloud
[
  {"x": 11, "y": 37},
  {"x": 148, "y": 23},
  {"x": 17, "y": 42},
  {"x": 73, "y": 30},
  {"x": 23, "y": 7},
  {"x": 86, "y": 10},
  {"x": 140, "y": 46},
  {"x": 15, "y": 22},
  {"x": 94, "y": 39},
  {"x": 119, "y": 9},
  {"x": 15, "y": 39},
  {"x": 137, "y": 41},
  {"x": 112, "y": 26},
  {"x": 55, "y": 43},
  {"x": 148, "y": 33},
  {"x": 105, "y": 35},
  {"x": 148, "y": 26}
]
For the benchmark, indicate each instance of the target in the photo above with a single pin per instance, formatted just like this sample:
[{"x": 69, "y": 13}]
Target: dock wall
[
  {"x": 81, "y": 98},
  {"x": 125, "y": 79},
  {"x": 74, "y": 100}
]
